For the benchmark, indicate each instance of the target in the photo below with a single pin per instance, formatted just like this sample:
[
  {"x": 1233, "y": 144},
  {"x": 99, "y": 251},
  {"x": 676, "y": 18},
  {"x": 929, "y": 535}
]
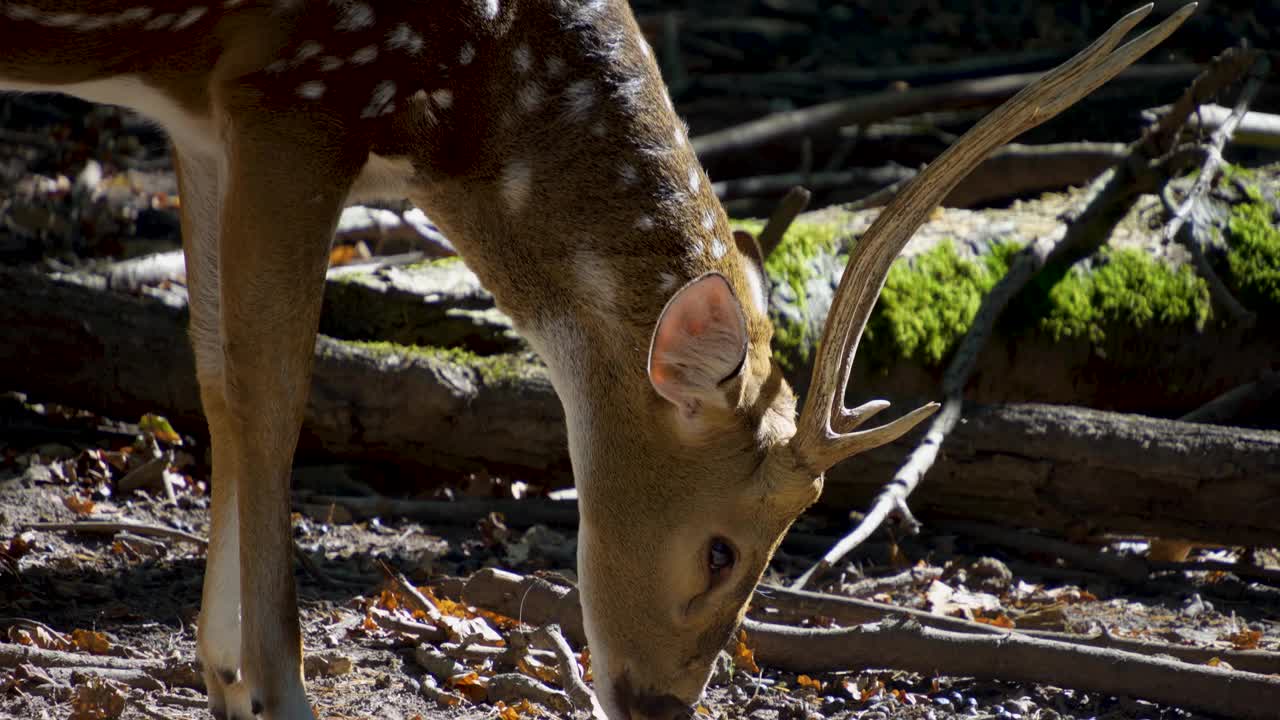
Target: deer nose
[{"x": 647, "y": 706}]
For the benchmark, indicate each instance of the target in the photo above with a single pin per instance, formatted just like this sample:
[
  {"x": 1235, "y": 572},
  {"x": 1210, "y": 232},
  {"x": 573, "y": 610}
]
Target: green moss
[
  {"x": 493, "y": 369},
  {"x": 1253, "y": 258},
  {"x": 1129, "y": 288},
  {"x": 435, "y": 262},
  {"x": 929, "y": 301},
  {"x": 791, "y": 264}
]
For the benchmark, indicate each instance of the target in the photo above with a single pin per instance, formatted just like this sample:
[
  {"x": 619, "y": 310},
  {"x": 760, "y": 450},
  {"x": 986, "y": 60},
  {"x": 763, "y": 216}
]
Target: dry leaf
[
  {"x": 807, "y": 682},
  {"x": 90, "y": 641},
  {"x": 1246, "y": 639},
  {"x": 472, "y": 685},
  {"x": 79, "y": 505},
  {"x": 1000, "y": 620},
  {"x": 160, "y": 428},
  {"x": 96, "y": 700},
  {"x": 743, "y": 656}
]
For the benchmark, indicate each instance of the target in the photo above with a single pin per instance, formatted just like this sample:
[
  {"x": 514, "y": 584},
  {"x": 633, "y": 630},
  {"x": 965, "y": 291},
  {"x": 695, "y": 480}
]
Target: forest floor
[{"x": 131, "y": 594}]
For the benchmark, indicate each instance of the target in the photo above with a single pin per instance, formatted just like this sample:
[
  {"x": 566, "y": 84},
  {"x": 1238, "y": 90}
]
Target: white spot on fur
[
  {"x": 597, "y": 278},
  {"x": 718, "y": 248},
  {"x": 628, "y": 173},
  {"x": 134, "y": 14},
  {"x": 94, "y": 22},
  {"x": 598, "y": 130},
  {"x": 404, "y": 38},
  {"x": 644, "y": 223},
  {"x": 466, "y": 54},
  {"x": 329, "y": 63},
  {"x": 356, "y": 16},
  {"x": 189, "y": 17},
  {"x": 490, "y": 9},
  {"x": 630, "y": 90},
  {"x": 708, "y": 220},
  {"x": 278, "y": 66},
  {"x": 523, "y": 58},
  {"x": 517, "y": 184},
  {"x": 160, "y": 22},
  {"x": 580, "y": 97},
  {"x": 381, "y": 101},
  {"x": 679, "y": 136},
  {"x": 308, "y": 50},
  {"x": 694, "y": 180},
  {"x": 443, "y": 98},
  {"x": 364, "y": 55},
  {"x": 555, "y": 67},
  {"x": 756, "y": 284},
  {"x": 60, "y": 19},
  {"x": 232, "y": 3},
  {"x": 311, "y": 90},
  {"x": 667, "y": 282},
  {"x": 530, "y": 97},
  {"x": 21, "y": 12}
]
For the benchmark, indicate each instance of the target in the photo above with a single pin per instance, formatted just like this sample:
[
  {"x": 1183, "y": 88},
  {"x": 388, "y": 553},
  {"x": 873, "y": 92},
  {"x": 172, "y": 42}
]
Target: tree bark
[
  {"x": 1063, "y": 469},
  {"x": 66, "y": 340}
]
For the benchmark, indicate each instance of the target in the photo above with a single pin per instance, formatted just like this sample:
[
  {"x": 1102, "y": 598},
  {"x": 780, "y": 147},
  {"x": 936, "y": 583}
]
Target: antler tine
[{"x": 816, "y": 442}]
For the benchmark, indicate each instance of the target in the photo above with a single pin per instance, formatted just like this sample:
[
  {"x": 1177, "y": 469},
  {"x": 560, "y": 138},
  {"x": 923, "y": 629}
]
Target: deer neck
[{"x": 568, "y": 184}]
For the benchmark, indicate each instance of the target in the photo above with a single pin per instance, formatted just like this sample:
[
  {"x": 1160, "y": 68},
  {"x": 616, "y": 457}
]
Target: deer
[{"x": 539, "y": 136}]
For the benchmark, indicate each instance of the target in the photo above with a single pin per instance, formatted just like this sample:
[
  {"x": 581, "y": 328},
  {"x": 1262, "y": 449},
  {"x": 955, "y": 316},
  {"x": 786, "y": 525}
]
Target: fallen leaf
[
  {"x": 472, "y": 685},
  {"x": 1000, "y": 620},
  {"x": 743, "y": 656},
  {"x": 96, "y": 700},
  {"x": 1246, "y": 639},
  {"x": 160, "y": 428},
  {"x": 807, "y": 682},
  {"x": 90, "y": 641},
  {"x": 78, "y": 505}
]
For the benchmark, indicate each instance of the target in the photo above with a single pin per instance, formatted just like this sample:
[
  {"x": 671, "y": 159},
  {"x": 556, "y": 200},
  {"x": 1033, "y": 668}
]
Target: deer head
[{"x": 685, "y": 495}]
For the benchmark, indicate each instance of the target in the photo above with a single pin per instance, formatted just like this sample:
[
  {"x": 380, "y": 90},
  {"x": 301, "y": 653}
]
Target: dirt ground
[{"x": 132, "y": 594}]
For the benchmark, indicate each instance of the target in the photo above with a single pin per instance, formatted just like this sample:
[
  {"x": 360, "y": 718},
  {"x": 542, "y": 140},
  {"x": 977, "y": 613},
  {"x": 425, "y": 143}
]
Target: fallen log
[
  {"x": 1063, "y": 469},
  {"x": 63, "y": 339}
]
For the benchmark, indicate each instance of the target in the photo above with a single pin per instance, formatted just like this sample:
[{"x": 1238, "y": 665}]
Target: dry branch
[
  {"x": 113, "y": 527},
  {"x": 906, "y": 645},
  {"x": 171, "y": 673},
  {"x": 890, "y": 104},
  {"x": 789, "y": 208},
  {"x": 1186, "y": 223},
  {"x": 986, "y": 653},
  {"x": 799, "y": 605}
]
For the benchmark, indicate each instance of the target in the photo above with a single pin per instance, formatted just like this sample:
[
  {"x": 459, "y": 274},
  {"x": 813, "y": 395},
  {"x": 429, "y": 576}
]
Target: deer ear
[{"x": 700, "y": 341}]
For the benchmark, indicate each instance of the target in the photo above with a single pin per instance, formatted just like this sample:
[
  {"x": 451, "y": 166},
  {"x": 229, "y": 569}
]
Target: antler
[{"x": 826, "y": 432}]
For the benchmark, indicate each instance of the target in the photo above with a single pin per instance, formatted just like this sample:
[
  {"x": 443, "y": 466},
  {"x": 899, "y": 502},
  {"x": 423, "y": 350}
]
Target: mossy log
[
  {"x": 1067, "y": 470},
  {"x": 68, "y": 340}
]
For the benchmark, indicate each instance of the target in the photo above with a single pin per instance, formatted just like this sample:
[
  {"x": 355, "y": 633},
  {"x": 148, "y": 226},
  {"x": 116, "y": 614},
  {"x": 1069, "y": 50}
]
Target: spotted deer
[{"x": 539, "y": 136}]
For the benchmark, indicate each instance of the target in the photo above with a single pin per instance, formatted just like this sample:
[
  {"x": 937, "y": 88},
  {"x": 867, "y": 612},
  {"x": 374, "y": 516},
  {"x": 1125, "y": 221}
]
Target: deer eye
[{"x": 720, "y": 559}]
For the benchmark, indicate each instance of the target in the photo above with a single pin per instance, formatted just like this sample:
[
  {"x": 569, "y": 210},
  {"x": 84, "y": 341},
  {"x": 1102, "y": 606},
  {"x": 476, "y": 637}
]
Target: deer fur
[{"x": 539, "y": 136}]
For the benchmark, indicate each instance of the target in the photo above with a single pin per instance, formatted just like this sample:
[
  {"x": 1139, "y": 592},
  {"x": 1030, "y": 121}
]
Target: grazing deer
[{"x": 539, "y": 136}]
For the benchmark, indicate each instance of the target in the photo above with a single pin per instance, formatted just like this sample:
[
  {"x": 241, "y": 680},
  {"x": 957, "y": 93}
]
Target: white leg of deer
[
  {"x": 288, "y": 177},
  {"x": 219, "y": 628}
]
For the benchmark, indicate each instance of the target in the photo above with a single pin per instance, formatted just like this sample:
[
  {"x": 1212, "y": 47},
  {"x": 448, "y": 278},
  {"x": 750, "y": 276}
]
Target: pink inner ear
[{"x": 701, "y": 337}]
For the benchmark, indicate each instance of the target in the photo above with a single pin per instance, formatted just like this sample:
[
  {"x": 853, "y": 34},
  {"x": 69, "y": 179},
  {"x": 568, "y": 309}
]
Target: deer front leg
[
  {"x": 200, "y": 183},
  {"x": 287, "y": 178}
]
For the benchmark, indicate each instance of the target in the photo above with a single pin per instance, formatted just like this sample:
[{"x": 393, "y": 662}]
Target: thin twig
[
  {"x": 570, "y": 679},
  {"x": 112, "y": 527},
  {"x": 1182, "y": 224},
  {"x": 789, "y": 208}
]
